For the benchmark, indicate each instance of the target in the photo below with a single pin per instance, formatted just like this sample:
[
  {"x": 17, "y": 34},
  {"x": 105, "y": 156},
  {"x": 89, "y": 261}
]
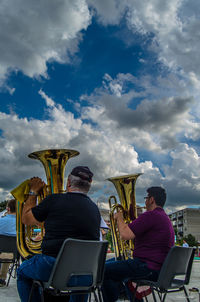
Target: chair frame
[
  {"x": 178, "y": 263},
  {"x": 91, "y": 256},
  {"x": 8, "y": 245}
]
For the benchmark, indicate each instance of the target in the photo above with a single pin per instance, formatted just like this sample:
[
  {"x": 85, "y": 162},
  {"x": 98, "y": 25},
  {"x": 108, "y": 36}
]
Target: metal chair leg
[
  {"x": 186, "y": 294},
  {"x": 90, "y": 297},
  {"x": 95, "y": 296},
  {"x": 164, "y": 296},
  {"x": 154, "y": 296},
  {"x": 132, "y": 299},
  {"x": 31, "y": 293},
  {"x": 34, "y": 285},
  {"x": 10, "y": 273},
  {"x": 100, "y": 294}
]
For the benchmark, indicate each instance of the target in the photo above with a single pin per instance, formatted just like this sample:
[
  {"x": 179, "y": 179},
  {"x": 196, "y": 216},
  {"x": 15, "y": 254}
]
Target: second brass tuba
[
  {"x": 54, "y": 161},
  {"x": 125, "y": 186}
]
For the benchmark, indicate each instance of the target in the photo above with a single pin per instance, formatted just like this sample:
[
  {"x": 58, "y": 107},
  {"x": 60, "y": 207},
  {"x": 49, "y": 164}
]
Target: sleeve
[
  {"x": 41, "y": 211},
  {"x": 142, "y": 224}
]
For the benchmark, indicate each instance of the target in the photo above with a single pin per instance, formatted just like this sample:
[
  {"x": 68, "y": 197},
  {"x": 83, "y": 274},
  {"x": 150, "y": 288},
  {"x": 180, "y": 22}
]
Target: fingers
[
  {"x": 36, "y": 184},
  {"x": 36, "y": 179},
  {"x": 118, "y": 215}
]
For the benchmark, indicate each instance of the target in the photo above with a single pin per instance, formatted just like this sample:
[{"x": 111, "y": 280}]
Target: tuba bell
[
  {"x": 54, "y": 161},
  {"x": 125, "y": 186}
]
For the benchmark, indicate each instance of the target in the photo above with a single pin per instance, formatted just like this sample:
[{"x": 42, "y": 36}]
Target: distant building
[
  {"x": 186, "y": 221},
  {"x": 105, "y": 214}
]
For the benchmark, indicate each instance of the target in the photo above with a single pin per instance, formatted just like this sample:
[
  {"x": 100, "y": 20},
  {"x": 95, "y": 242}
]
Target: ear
[
  {"x": 68, "y": 183},
  {"x": 152, "y": 200}
]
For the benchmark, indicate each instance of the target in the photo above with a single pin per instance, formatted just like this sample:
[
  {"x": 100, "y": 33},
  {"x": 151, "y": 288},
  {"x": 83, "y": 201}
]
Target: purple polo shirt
[{"x": 154, "y": 237}]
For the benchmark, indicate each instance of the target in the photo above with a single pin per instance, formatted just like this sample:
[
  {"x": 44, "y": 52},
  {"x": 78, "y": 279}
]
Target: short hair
[
  {"x": 11, "y": 204},
  {"x": 159, "y": 195},
  {"x": 80, "y": 184}
]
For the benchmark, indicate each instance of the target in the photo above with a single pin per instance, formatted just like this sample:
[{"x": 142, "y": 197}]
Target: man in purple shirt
[{"x": 153, "y": 237}]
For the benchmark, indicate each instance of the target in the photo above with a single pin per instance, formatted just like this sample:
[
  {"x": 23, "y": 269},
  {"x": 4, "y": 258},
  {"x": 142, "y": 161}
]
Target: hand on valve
[
  {"x": 36, "y": 184},
  {"x": 118, "y": 216}
]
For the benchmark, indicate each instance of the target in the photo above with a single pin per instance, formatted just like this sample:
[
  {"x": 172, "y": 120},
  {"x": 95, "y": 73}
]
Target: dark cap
[{"x": 82, "y": 172}]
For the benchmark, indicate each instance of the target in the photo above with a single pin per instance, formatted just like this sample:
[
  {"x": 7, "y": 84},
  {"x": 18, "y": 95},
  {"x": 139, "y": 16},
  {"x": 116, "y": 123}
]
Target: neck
[
  {"x": 157, "y": 207},
  {"x": 153, "y": 207},
  {"x": 74, "y": 189}
]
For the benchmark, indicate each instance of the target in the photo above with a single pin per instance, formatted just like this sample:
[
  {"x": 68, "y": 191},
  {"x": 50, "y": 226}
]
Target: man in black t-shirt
[{"x": 69, "y": 215}]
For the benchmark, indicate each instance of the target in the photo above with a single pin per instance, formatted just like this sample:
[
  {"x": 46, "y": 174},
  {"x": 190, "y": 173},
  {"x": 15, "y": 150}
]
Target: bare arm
[
  {"x": 124, "y": 230},
  {"x": 36, "y": 185}
]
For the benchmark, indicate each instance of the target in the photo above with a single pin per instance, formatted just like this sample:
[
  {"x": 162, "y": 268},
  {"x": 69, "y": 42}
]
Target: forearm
[
  {"x": 28, "y": 205},
  {"x": 35, "y": 186},
  {"x": 124, "y": 230}
]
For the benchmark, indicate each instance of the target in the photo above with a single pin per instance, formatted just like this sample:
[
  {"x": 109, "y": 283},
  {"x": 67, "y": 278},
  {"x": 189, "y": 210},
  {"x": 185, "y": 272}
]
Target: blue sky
[
  {"x": 102, "y": 50},
  {"x": 117, "y": 81}
]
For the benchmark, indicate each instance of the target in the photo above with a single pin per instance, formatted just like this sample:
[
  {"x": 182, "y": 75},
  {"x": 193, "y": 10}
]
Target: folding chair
[
  {"x": 174, "y": 275},
  {"x": 8, "y": 245},
  {"x": 76, "y": 258}
]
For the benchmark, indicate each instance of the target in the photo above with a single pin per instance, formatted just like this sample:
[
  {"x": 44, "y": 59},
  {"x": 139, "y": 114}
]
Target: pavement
[{"x": 9, "y": 294}]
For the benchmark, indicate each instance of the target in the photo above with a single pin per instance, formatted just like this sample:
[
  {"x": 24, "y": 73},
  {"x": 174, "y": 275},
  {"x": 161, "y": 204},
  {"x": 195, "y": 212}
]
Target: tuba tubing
[
  {"x": 53, "y": 161},
  {"x": 125, "y": 186},
  {"x": 118, "y": 243}
]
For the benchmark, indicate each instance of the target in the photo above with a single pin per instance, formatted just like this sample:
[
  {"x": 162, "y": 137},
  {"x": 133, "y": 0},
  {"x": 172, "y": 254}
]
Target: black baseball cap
[{"x": 82, "y": 172}]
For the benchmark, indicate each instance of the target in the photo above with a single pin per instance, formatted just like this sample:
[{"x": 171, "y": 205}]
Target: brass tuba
[
  {"x": 54, "y": 161},
  {"x": 125, "y": 186}
]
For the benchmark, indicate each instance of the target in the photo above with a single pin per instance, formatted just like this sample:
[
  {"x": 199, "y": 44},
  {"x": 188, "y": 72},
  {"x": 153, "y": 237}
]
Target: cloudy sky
[{"x": 119, "y": 81}]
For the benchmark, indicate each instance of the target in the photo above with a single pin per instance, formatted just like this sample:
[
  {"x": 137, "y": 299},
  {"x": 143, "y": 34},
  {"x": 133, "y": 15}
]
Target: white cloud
[
  {"x": 182, "y": 178},
  {"x": 174, "y": 24},
  {"x": 108, "y": 12},
  {"x": 49, "y": 101},
  {"x": 33, "y": 33},
  {"x": 157, "y": 123},
  {"x": 108, "y": 150},
  {"x": 127, "y": 114},
  {"x": 106, "y": 154}
]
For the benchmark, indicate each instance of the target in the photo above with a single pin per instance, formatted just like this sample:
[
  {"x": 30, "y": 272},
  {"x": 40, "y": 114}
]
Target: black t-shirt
[{"x": 69, "y": 215}]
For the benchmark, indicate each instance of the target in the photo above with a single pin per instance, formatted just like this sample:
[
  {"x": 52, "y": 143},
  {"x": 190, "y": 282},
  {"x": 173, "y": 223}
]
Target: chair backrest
[
  {"x": 79, "y": 258},
  {"x": 189, "y": 269},
  {"x": 177, "y": 263},
  {"x": 8, "y": 244}
]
